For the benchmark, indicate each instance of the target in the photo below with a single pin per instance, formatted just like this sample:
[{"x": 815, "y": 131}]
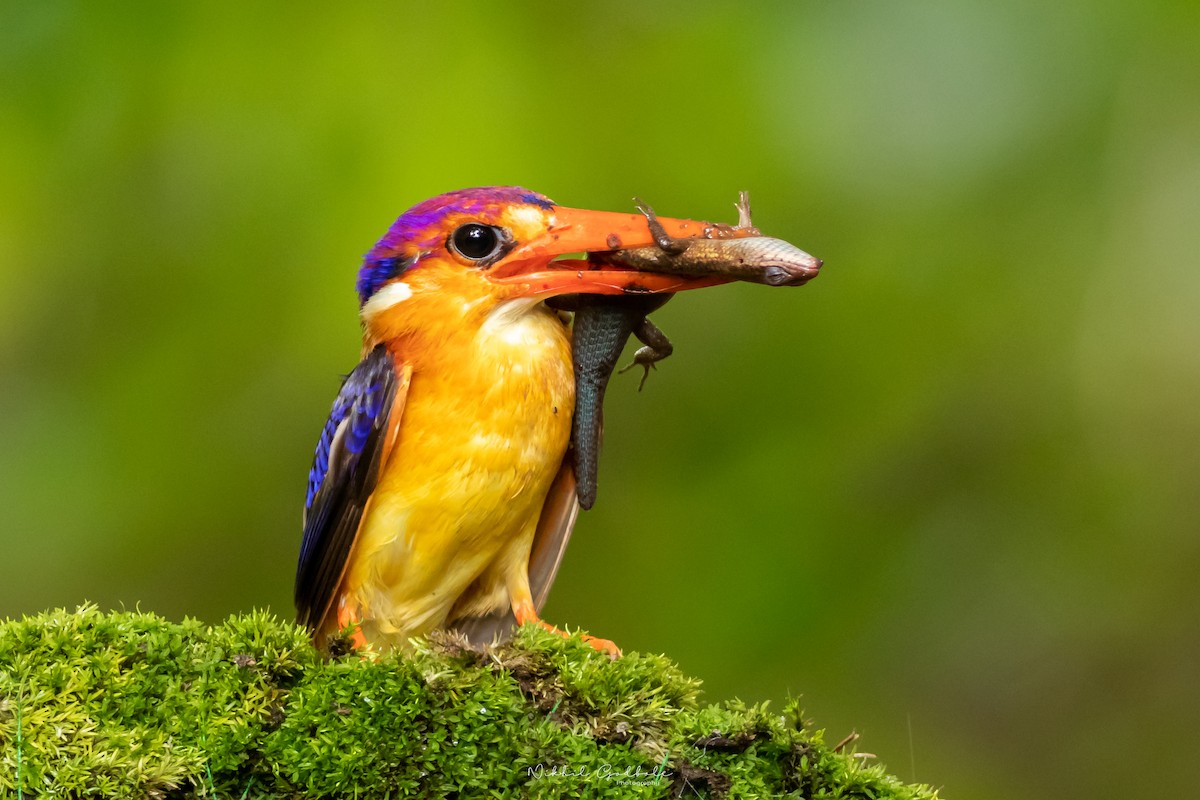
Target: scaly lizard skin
[
  {"x": 601, "y": 329},
  {"x": 603, "y": 323}
]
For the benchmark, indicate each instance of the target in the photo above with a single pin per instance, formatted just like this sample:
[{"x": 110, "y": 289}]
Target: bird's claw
[{"x": 603, "y": 645}]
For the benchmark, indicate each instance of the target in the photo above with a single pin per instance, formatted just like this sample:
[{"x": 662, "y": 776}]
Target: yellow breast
[{"x": 484, "y": 430}]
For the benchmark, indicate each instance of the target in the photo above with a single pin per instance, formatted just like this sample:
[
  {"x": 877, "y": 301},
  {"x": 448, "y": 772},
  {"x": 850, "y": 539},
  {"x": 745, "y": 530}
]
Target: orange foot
[
  {"x": 347, "y": 617},
  {"x": 525, "y": 612}
]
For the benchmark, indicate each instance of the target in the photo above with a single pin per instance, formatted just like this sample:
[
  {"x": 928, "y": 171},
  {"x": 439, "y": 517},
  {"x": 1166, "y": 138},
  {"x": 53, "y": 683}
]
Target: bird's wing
[
  {"x": 354, "y": 444},
  {"x": 559, "y": 513}
]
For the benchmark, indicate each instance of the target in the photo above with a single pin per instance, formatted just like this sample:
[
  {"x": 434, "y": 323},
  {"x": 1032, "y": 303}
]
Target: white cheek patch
[{"x": 385, "y": 298}]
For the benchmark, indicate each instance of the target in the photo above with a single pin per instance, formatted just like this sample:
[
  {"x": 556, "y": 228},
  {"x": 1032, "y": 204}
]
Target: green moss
[{"x": 130, "y": 705}]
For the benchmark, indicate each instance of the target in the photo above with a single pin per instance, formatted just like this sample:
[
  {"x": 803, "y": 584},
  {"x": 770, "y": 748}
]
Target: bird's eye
[{"x": 476, "y": 242}]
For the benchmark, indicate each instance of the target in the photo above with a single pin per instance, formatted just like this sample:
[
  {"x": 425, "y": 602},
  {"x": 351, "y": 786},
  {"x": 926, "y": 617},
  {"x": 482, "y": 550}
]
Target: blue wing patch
[{"x": 341, "y": 480}]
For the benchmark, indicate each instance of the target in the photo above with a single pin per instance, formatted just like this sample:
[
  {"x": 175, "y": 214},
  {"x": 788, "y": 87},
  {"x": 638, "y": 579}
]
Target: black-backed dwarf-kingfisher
[{"x": 441, "y": 494}]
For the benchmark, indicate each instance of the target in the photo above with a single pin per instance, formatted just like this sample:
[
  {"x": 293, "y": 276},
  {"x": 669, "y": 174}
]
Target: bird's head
[{"x": 463, "y": 255}]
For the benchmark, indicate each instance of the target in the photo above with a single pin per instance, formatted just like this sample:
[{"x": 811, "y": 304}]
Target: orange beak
[{"x": 540, "y": 268}]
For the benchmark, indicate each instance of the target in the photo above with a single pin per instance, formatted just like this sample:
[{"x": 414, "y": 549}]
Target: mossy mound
[{"x": 130, "y": 705}]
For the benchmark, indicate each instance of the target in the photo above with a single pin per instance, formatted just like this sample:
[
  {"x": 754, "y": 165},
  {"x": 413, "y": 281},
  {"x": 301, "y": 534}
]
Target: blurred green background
[{"x": 946, "y": 493}]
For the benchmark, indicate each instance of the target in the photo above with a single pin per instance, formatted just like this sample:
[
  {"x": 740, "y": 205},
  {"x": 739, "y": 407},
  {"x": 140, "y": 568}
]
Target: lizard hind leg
[
  {"x": 664, "y": 240},
  {"x": 657, "y": 347}
]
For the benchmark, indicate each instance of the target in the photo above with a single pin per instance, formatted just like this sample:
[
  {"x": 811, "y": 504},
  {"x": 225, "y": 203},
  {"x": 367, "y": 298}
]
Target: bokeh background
[{"x": 947, "y": 493}]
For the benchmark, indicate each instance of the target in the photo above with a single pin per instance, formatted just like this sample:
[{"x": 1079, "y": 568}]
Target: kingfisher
[{"x": 442, "y": 493}]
